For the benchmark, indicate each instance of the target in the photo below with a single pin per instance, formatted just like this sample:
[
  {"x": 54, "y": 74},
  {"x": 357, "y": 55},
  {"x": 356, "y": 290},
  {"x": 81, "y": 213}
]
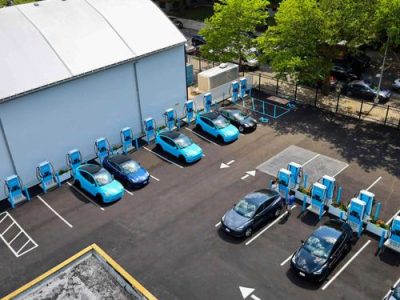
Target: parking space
[{"x": 168, "y": 233}]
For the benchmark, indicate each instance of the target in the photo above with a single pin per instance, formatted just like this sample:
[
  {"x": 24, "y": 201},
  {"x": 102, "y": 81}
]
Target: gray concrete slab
[{"x": 323, "y": 165}]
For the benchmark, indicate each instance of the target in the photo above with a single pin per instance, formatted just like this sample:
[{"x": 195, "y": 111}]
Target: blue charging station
[
  {"x": 393, "y": 241},
  {"x": 368, "y": 198},
  {"x": 127, "y": 139},
  {"x": 284, "y": 182},
  {"x": 207, "y": 101},
  {"x": 171, "y": 118},
  {"x": 189, "y": 111},
  {"x": 102, "y": 148},
  {"x": 150, "y": 129},
  {"x": 243, "y": 87},
  {"x": 15, "y": 190},
  {"x": 296, "y": 171},
  {"x": 235, "y": 91},
  {"x": 330, "y": 184},
  {"x": 318, "y": 198},
  {"x": 74, "y": 159},
  {"x": 356, "y": 214},
  {"x": 47, "y": 176}
]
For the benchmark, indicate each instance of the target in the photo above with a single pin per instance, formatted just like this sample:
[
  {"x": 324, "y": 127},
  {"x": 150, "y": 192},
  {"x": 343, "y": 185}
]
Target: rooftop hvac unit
[{"x": 217, "y": 76}]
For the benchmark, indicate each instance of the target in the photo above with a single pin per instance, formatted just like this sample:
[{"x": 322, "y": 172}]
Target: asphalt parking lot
[{"x": 167, "y": 234}]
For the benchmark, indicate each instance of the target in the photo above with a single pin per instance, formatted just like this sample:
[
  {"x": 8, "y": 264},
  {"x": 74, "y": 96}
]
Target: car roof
[
  {"x": 260, "y": 196},
  {"x": 328, "y": 232},
  {"x": 118, "y": 158},
  {"x": 90, "y": 168},
  {"x": 171, "y": 134},
  {"x": 231, "y": 108},
  {"x": 212, "y": 115},
  {"x": 361, "y": 82}
]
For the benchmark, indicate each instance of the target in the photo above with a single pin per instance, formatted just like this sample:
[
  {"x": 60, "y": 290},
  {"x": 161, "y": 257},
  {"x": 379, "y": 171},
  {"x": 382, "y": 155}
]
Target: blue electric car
[
  {"x": 179, "y": 145},
  {"x": 98, "y": 182},
  {"x": 127, "y": 171},
  {"x": 218, "y": 126}
]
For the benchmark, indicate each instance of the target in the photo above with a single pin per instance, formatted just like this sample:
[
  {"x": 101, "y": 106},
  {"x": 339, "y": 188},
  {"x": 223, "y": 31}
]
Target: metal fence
[{"x": 334, "y": 101}]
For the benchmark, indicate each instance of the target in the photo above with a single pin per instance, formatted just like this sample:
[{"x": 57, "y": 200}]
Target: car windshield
[
  {"x": 102, "y": 177},
  {"x": 318, "y": 246},
  {"x": 238, "y": 115},
  {"x": 183, "y": 141},
  {"x": 220, "y": 122},
  {"x": 245, "y": 208},
  {"x": 130, "y": 166}
]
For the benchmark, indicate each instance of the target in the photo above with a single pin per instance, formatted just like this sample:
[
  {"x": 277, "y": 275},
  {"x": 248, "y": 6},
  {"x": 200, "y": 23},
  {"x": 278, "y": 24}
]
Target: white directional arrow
[
  {"x": 247, "y": 292},
  {"x": 252, "y": 173},
  {"x": 223, "y": 166}
]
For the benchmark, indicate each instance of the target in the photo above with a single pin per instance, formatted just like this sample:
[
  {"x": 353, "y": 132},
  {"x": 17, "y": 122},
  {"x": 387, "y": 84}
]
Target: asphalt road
[{"x": 166, "y": 236}]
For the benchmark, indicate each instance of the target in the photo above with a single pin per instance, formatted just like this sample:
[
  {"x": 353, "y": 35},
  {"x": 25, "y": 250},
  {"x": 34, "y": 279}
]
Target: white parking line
[
  {"x": 155, "y": 178},
  {"x": 56, "y": 213},
  {"x": 86, "y": 197},
  {"x": 389, "y": 291},
  {"x": 311, "y": 159},
  {"x": 286, "y": 260},
  {"x": 268, "y": 227},
  {"x": 162, "y": 157},
  {"x": 346, "y": 265},
  {"x": 129, "y": 192},
  {"x": 218, "y": 224},
  {"x": 375, "y": 182},
  {"x": 390, "y": 220},
  {"x": 200, "y": 136},
  {"x": 344, "y": 168}
]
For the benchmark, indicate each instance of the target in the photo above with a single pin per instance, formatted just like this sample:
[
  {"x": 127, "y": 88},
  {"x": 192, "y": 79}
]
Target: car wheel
[
  {"x": 99, "y": 198},
  {"x": 241, "y": 129},
  {"x": 77, "y": 184},
  {"x": 277, "y": 212},
  {"x": 220, "y": 138},
  {"x": 248, "y": 232},
  {"x": 182, "y": 158},
  {"x": 349, "y": 93}
]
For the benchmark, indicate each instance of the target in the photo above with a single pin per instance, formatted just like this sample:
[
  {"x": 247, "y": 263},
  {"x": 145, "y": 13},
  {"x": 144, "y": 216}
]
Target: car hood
[
  {"x": 192, "y": 150},
  {"x": 249, "y": 120},
  {"x": 229, "y": 130},
  {"x": 139, "y": 175},
  {"x": 233, "y": 220},
  {"x": 307, "y": 262},
  {"x": 384, "y": 93},
  {"x": 113, "y": 188}
]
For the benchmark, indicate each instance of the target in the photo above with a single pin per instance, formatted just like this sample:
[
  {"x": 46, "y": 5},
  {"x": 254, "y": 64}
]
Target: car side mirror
[{"x": 302, "y": 242}]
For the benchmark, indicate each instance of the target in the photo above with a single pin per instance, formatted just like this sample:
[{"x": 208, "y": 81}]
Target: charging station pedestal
[
  {"x": 74, "y": 159},
  {"x": 393, "y": 242},
  {"x": 243, "y": 87},
  {"x": 235, "y": 91},
  {"x": 102, "y": 149},
  {"x": 368, "y": 198},
  {"x": 127, "y": 139},
  {"x": 296, "y": 171},
  {"x": 150, "y": 129},
  {"x": 318, "y": 197},
  {"x": 15, "y": 190},
  {"x": 46, "y": 175},
  {"x": 170, "y": 119},
  {"x": 207, "y": 101},
  {"x": 189, "y": 111},
  {"x": 355, "y": 215},
  {"x": 284, "y": 182},
  {"x": 330, "y": 184}
]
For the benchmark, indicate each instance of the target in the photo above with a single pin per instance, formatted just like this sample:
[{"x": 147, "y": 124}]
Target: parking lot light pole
[{"x": 376, "y": 100}]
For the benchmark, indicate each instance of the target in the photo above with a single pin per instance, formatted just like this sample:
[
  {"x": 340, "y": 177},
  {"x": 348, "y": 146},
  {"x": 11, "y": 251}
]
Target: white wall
[
  {"x": 6, "y": 167},
  {"x": 47, "y": 124},
  {"x": 162, "y": 83}
]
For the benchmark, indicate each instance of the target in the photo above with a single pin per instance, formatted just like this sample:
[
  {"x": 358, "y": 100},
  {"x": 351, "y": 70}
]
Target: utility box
[{"x": 212, "y": 78}]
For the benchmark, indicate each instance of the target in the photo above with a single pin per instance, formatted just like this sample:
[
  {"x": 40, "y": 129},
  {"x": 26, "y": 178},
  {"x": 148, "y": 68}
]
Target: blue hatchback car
[
  {"x": 179, "y": 145},
  {"x": 126, "y": 170},
  {"x": 218, "y": 126},
  {"x": 98, "y": 182}
]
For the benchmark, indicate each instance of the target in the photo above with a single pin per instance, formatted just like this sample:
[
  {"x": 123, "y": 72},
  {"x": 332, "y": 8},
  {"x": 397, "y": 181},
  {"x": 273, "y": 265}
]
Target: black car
[
  {"x": 243, "y": 121},
  {"x": 343, "y": 72},
  {"x": 251, "y": 212},
  {"x": 366, "y": 90},
  {"x": 126, "y": 171},
  {"x": 176, "y": 22},
  {"x": 319, "y": 254},
  {"x": 198, "y": 40},
  {"x": 394, "y": 293}
]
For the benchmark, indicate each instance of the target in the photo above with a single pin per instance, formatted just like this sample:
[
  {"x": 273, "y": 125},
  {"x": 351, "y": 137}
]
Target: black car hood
[
  {"x": 249, "y": 120},
  {"x": 307, "y": 262},
  {"x": 233, "y": 220}
]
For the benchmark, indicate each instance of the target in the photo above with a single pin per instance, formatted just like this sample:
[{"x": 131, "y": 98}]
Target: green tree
[
  {"x": 293, "y": 46},
  {"x": 226, "y": 30},
  {"x": 387, "y": 21}
]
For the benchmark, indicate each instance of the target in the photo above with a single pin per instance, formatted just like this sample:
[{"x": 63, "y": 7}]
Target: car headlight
[
  {"x": 293, "y": 258},
  {"x": 223, "y": 218},
  {"x": 240, "y": 227},
  {"x": 318, "y": 272},
  {"x": 246, "y": 125}
]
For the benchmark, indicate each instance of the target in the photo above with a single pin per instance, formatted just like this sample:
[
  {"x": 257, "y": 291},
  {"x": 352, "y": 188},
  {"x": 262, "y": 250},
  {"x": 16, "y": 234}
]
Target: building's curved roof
[{"x": 46, "y": 42}]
